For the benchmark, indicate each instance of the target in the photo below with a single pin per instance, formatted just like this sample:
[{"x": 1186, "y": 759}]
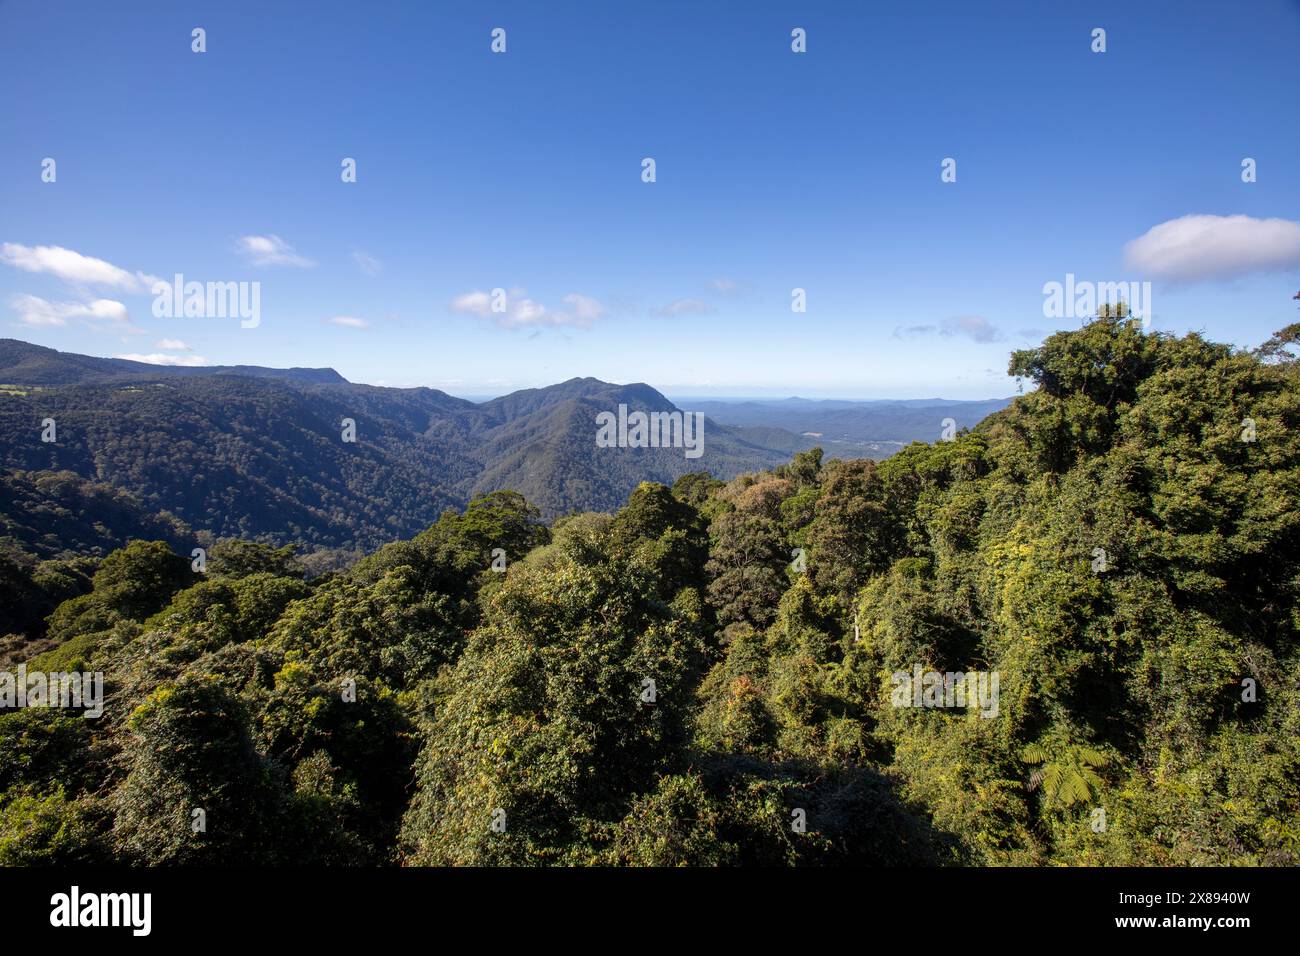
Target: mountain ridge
[
  {"x": 23, "y": 363},
  {"x": 249, "y": 451}
]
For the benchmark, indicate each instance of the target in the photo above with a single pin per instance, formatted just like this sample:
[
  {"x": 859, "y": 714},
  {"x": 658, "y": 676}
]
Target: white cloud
[
  {"x": 348, "y": 322},
  {"x": 686, "y": 307},
  {"x": 172, "y": 345},
  {"x": 271, "y": 251},
  {"x": 522, "y": 312},
  {"x": 36, "y": 312},
  {"x": 159, "y": 358},
  {"x": 367, "y": 263},
  {"x": 475, "y": 303},
  {"x": 1196, "y": 248},
  {"x": 73, "y": 267},
  {"x": 527, "y": 312},
  {"x": 724, "y": 285},
  {"x": 105, "y": 314}
]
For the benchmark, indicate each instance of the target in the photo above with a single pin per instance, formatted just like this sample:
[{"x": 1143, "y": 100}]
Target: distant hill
[
  {"x": 25, "y": 364},
  {"x": 541, "y": 442},
  {"x": 848, "y": 429}
]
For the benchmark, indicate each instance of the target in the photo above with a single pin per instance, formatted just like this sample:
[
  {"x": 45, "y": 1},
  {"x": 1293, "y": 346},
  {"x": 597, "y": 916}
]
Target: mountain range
[{"x": 247, "y": 451}]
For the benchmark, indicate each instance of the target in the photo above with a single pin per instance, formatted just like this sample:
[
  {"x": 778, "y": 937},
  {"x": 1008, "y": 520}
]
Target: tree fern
[{"x": 1067, "y": 777}]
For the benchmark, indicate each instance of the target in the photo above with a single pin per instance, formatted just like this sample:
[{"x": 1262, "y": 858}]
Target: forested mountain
[
  {"x": 250, "y": 452},
  {"x": 711, "y": 675},
  {"x": 540, "y": 442},
  {"x": 258, "y": 452}
]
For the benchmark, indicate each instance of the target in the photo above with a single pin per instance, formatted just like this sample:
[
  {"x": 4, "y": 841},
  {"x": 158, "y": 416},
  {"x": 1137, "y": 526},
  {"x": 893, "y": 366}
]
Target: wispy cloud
[
  {"x": 686, "y": 307},
  {"x": 367, "y": 263},
  {"x": 1201, "y": 247},
  {"x": 160, "y": 358},
  {"x": 73, "y": 267},
  {"x": 724, "y": 285},
  {"x": 973, "y": 327},
  {"x": 913, "y": 331},
  {"x": 271, "y": 251},
  {"x": 348, "y": 322},
  {"x": 172, "y": 345},
  {"x": 514, "y": 310}
]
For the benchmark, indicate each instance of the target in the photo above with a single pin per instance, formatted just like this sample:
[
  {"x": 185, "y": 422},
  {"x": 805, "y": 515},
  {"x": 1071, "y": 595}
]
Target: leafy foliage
[{"x": 708, "y": 676}]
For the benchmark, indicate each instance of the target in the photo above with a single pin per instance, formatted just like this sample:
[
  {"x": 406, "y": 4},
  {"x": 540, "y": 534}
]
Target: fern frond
[
  {"x": 1091, "y": 757},
  {"x": 1033, "y": 753}
]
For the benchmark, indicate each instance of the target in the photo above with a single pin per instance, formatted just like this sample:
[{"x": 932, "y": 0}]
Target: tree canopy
[{"x": 1066, "y": 636}]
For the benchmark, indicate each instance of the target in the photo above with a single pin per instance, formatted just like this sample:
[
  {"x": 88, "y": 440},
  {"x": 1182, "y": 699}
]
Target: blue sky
[{"x": 522, "y": 171}]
